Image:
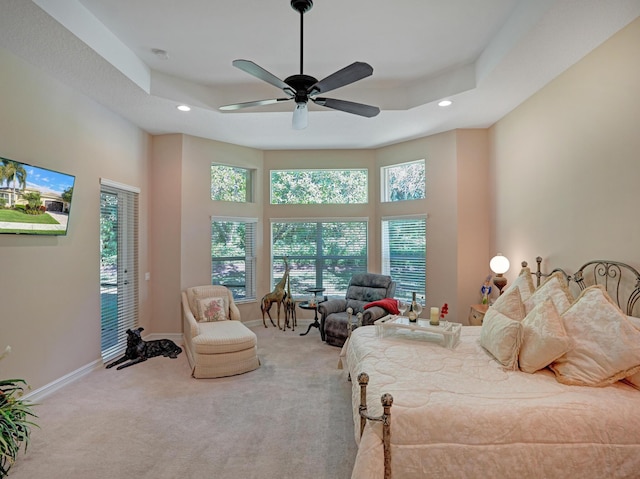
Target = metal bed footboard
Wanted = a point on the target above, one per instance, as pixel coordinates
(385, 419)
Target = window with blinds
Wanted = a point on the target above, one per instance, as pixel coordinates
(118, 265)
(233, 260)
(404, 254)
(321, 253)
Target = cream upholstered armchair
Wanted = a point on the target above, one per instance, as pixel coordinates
(216, 342)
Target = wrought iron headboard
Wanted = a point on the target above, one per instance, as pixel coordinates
(621, 281)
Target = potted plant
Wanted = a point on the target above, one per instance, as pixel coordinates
(15, 420)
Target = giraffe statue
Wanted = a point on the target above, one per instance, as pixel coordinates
(276, 296)
(289, 308)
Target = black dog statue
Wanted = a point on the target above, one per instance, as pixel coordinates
(139, 350)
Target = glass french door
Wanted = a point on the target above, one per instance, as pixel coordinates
(118, 266)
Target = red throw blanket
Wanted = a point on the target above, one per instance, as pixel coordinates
(390, 304)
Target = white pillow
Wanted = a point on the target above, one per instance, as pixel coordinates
(510, 304)
(501, 336)
(544, 338)
(605, 344)
(524, 282)
(634, 379)
(211, 309)
(556, 288)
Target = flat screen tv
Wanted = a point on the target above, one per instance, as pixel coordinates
(34, 200)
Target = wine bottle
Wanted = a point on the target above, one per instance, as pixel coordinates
(415, 309)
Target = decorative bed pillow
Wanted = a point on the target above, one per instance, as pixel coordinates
(544, 338)
(501, 336)
(524, 283)
(605, 344)
(510, 304)
(556, 288)
(634, 379)
(211, 309)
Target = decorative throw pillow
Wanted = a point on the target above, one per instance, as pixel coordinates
(556, 288)
(544, 338)
(524, 283)
(510, 304)
(501, 336)
(634, 379)
(605, 344)
(206, 291)
(211, 309)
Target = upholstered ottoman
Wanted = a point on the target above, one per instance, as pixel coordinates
(224, 348)
(217, 348)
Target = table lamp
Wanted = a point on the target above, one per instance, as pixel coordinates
(499, 265)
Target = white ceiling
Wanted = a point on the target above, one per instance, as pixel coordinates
(487, 56)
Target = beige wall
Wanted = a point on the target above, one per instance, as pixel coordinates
(457, 213)
(181, 211)
(451, 205)
(566, 164)
(49, 287)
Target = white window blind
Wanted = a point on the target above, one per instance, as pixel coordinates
(404, 254)
(118, 265)
(233, 260)
(322, 253)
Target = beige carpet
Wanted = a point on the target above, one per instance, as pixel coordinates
(291, 418)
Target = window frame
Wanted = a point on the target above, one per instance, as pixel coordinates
(249, 174)
(385, 187)
(277, 264)
(250, 259)
(311, 171)
(403, 291)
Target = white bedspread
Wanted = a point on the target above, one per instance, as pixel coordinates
(458, 414)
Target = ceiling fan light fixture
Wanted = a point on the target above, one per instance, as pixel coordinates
(302, 88)
(300, 116)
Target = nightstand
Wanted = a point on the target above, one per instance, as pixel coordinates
(476, 314)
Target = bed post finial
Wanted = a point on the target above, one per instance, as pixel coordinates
(363, 380)
(387, 401)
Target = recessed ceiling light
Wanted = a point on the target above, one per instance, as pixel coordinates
(160, 53)
(445, 103)
(183, 108)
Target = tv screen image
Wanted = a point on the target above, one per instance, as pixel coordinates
(34, 200)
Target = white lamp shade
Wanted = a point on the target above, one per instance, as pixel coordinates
(300, 116)
(499, 264)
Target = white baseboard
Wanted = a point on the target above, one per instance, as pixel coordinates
(59, 383)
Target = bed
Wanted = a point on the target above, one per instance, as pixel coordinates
(467, 412)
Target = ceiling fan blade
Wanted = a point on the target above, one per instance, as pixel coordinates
(348, 106)
(349, 74)
(249, 104)
(259, 72)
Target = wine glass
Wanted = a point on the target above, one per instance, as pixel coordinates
(417, 308)
(402, 307)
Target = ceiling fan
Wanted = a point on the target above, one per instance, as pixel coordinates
(302, 88)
